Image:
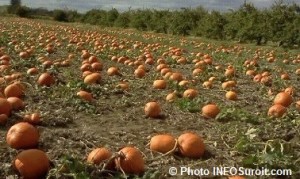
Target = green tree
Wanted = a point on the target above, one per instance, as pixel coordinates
(111, 17)
(60, 15)
(212, 25)
(14, 5)
(284, 21)
(22, 11)
(123, 20)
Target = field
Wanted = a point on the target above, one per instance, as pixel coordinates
(243, 134)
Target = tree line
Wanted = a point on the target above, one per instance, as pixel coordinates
(279, 24)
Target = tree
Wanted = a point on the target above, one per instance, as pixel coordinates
(14, 5)
(111, 17)
(60, 15)
(212, 25)
(22, 11)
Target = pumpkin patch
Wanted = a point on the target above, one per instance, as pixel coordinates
(150, 100)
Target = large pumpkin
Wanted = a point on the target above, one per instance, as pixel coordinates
(130, 161)
(32, 163)
(22, 136)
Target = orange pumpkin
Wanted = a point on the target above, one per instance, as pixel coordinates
(5, 107)
(159, 84)
(32, 163)
(85, 95)
(277, 111)
(92, 78)
(130, 161)
(283, 98)
(45, 79)
(190, 93)
(152, 109)
(16, 103)
(13, 90)
(162, 143)
(210, 111)
(22, 135)
(191, 145)
(3, 119)
(231, 95)
(99, 155)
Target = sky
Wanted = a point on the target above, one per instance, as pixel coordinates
(123, 5)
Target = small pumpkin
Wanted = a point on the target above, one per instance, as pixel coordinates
(190, 93)
(85, 95)
(231, 95)
(152, 109)
(159, 84)
(210, 111)
(92, 78)
(46, 79)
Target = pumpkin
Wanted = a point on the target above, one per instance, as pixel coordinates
(97, 66)
(190, 93)
(159, 84)
(191, 145)
(32, 71)
(124, 85)
(45, 79)
(171, 97)
(139, 73)
(92, 78)
(5, 107)
(13, 90)
(210, 111)
(34, 118)
(3, 119)
(231, 95)
(277, 111)
(113, 71)
(283, 98)
(22, 135)
(99, 155)
(176, 76)
(152, 109)
(32, 163)
(207, 84)
(130, 161)
(85, 95)
(162, 143)
(16, 103)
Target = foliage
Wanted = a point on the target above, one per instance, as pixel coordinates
(14, 5)
(60, 15)
(23, 11)
(279, 24)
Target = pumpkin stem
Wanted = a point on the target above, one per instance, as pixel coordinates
(113, 157)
